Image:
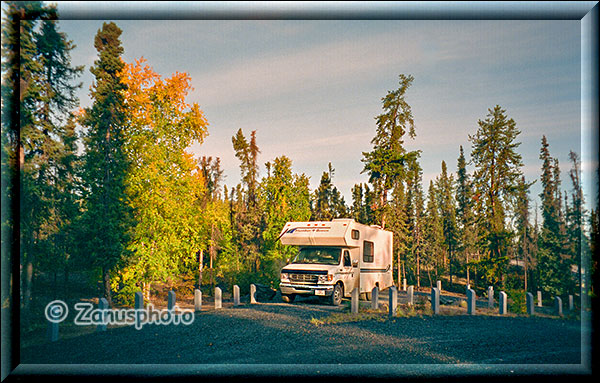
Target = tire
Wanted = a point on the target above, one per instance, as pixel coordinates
(336, 296)
(368, 296)
(288, 298)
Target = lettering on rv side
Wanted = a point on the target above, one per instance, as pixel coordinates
(308, 230)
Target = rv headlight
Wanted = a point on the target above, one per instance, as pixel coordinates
(285, 277)
(325, 278)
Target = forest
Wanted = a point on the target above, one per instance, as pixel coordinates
(113, 193)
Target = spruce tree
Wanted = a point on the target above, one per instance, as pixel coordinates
(445, 197)
(465, 214)
(107, 218)
(386, 164)
(498, 170)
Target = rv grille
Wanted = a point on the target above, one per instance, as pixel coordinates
(310, 278)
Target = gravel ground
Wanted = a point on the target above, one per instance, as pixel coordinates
(279, 333)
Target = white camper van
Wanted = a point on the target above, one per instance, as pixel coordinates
(336, 256)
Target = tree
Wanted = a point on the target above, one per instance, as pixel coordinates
(498, 170)
(386, 164)
(328, 202)
(524, 230)
(246, 210)
(465, 214)
(433, 235)
(415, 216)
(553, 266)
(577, 237)
(107, 218)
(446, 204)
(164, 186)
(285, 197)
(397, 224)
(37, 59)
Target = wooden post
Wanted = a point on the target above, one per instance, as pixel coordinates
(530, 305)
(218, 298)
(171, 299)
(435, 300)
(197, 300)
(253, 294)
(410, 295)
(502, 303)
(393, 301)
(236, 295)
(375, 298)
(103, 306)
(354, 303)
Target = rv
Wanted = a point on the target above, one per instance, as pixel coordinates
(335, 257)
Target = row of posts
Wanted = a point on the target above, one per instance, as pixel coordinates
(471, 300)
(53, 333)
(393, 302)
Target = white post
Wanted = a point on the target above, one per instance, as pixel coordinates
(53, 331)
(435, 300)
(197, 300)
(139, 300)
(218, 298)
(236, 295)
(103, 307)
(253, 294)
(558, 306)
(410, 295)
(490, 293)
(502, 303)
(539, 298)
(439, 286)
(530, 305)
(375, 298)
(171, 299)
(471, 301)
(570, 303)
(354, 302)
(404, 284)
(393, 301)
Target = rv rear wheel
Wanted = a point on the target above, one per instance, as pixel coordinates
(368, 296)
(336, 296)
(288, 298)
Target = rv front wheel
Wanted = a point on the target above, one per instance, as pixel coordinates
(336, 296)
(288, 298)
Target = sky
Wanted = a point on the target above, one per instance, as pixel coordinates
(312, 88)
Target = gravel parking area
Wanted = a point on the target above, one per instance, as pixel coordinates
(280, 333)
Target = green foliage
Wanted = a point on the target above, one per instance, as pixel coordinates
(387, 163)
(498, 170)
(328, 202)
(516, 301)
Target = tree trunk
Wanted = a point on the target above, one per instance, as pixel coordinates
(27, 285)
(106, 285)
(418, 271)
(468, 277)
(66, 280)
(146, 290)
(200, 266)
(399, 272)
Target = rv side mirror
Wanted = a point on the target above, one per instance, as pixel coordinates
(355, 263)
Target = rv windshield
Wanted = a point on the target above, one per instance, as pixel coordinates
(320, 255)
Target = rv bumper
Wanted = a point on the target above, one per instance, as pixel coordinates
(319, 290)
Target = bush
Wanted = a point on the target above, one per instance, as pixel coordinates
(516, 301)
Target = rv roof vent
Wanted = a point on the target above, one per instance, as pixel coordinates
(376, 226)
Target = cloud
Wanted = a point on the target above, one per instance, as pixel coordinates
(273, 74)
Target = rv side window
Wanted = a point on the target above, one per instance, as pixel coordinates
(355, 234)
(368, 251)
(347, 261)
